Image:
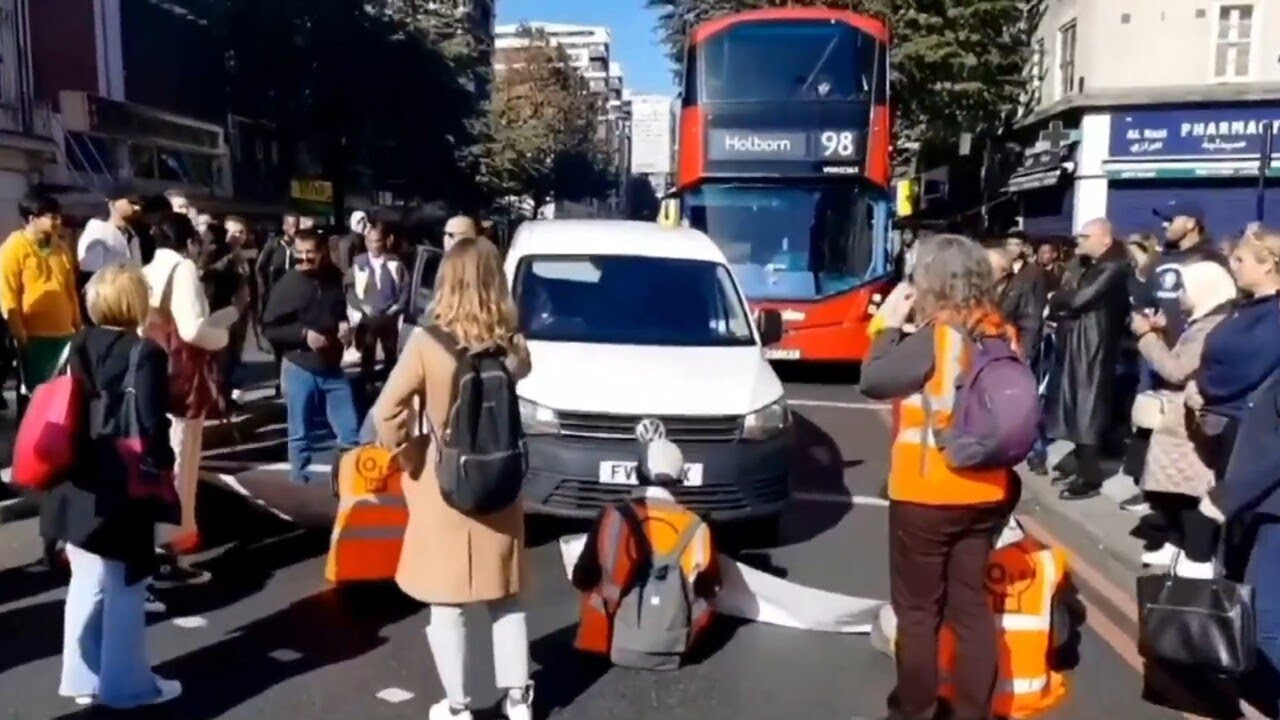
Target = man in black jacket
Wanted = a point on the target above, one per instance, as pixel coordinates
(1186, 241)
(306, 318)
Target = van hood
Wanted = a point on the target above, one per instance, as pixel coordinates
(649, 380)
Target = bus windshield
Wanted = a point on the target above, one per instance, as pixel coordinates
(786, 61)
(793, 241)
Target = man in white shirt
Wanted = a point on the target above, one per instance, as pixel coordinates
(114, 240)
(377, 294)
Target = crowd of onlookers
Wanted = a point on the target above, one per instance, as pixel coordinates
(1164, 355)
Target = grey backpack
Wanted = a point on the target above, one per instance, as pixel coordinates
(654, 623)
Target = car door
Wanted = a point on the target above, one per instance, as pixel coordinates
(422, 283)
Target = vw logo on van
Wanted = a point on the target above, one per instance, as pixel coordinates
(650, 429)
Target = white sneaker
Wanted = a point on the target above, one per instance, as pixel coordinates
(1162, 557)
(169, 690)
(153, 604)
(1188, 568)
(442, 711)
(518, 704)
(84, 700)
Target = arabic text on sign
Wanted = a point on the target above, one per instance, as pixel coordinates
(312, 190)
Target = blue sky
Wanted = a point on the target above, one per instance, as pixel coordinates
(635, 44)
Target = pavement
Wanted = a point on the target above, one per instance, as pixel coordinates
(267, 637)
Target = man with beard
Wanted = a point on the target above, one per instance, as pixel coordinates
(306, 318)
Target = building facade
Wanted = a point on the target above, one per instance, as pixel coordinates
(27, 143)
(652, 139)
(1137, 102)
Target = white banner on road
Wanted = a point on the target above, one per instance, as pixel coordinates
(760, 597)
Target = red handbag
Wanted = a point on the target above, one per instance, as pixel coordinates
(45, 446)
(144, 483)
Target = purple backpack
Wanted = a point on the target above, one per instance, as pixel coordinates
(996, 417)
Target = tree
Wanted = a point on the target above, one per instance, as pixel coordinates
(958, 65)
(545, 127)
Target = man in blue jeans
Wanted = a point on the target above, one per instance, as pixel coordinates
(306, 317)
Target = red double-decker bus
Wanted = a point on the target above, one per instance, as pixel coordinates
(783, 160)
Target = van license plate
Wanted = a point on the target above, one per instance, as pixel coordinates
(621, 472)
(781, 354)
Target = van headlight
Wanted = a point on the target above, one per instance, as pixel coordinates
(767, 422)
(538, 419)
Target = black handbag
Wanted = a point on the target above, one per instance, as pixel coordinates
(1203, 624)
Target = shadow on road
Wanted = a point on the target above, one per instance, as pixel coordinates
(19, 583)
(563, 673)
(32, 632)
(318, 631)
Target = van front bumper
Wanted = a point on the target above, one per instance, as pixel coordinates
(741, 480)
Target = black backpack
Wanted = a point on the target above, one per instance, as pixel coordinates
(480, 451)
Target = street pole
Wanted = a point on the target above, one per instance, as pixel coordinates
(1264, 165)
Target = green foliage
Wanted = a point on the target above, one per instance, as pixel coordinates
(544, 123)
(958, 65)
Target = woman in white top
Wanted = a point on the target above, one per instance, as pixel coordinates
(195, 325)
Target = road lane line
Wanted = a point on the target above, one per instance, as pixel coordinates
(838, 404)
(1123, 601)
(839, 499)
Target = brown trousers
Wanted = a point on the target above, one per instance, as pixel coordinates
(937, 573)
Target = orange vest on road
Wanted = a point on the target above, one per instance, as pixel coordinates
(918, 470)
(1022, 580)
(372, 515)
(620, 548)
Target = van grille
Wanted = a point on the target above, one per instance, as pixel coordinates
(714, 428)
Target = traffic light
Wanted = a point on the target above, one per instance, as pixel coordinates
(907, 197)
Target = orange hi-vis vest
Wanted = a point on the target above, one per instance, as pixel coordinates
(1022, 580)
(918, 470)
(372, 515)
(625, 537)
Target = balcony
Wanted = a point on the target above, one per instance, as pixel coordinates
(35, 121)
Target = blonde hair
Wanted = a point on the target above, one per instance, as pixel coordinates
(472, 301)
(1264, 244)
(117, 296)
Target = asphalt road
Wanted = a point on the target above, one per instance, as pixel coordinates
(268, 638)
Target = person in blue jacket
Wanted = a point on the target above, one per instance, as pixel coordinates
(1239, 393)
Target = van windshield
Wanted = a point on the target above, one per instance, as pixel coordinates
(630, 300)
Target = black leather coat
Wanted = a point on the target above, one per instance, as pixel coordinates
(1091, 310)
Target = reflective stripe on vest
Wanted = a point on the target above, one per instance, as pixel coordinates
(1026, 685)
(918, 470)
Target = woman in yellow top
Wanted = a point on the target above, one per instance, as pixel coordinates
(38, 290)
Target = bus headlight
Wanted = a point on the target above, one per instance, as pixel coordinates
(538, 419)
(767, 422)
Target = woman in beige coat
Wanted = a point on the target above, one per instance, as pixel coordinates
(1177, 473)
(449, 559)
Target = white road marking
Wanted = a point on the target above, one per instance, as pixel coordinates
(190, 623)
(836, 404)
(394, 695)
(284, 655)
(231, 482)
(839, 499)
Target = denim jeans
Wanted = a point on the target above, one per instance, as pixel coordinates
(308, 397)
(104, 650)
(1263, 574)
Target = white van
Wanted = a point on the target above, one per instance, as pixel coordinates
(632, 321)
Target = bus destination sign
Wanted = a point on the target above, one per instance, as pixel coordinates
(766, 145)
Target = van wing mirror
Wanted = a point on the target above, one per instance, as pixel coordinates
(769, 322)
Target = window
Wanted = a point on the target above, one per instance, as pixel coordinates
(1233, 43)
(1067, 59)
(1036, 81)
(630, 300)
(789, 242)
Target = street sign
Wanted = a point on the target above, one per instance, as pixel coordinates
(319, 191)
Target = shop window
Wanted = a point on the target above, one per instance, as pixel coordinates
(1067, 59)
(1233, 42)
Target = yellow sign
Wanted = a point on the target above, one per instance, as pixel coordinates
(669, 212)
(906, 199)
(320, 191)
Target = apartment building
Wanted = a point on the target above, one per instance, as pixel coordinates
(1137, 102)
(27, 143)
(652, 139)
(589, 51)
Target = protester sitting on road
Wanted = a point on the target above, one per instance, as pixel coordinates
(109, 534)
(1090, 310)
(306, 317)
(451, 560)
(941, 520)
(176, 291)
(378, 293)
(38, 290)
(1175, 475)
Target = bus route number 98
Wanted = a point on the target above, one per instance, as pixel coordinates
(837, 143)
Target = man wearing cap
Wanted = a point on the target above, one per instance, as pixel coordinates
(1186, 241)
(114, 240)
